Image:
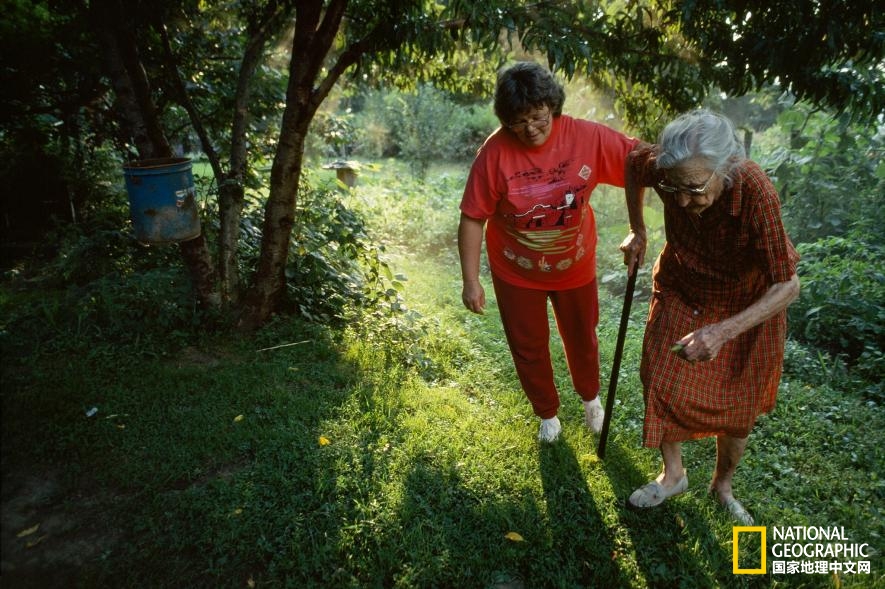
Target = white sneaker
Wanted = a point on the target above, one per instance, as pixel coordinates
(550, 429)
(594, 415)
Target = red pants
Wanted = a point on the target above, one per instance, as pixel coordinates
(527, 326)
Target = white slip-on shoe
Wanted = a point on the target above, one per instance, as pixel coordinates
(654, 493)
(550, 429)
(594, 415)
(738, 512)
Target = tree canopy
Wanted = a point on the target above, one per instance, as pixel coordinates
(247, 78)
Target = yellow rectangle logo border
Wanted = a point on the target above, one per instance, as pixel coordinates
(736, 530)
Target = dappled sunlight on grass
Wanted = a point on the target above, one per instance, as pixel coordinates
(400, 451)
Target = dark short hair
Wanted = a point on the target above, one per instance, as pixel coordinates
(524, 86)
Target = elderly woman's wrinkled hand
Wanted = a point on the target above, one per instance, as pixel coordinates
(701, 345)
(633, 247)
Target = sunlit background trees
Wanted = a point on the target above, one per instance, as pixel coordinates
(262, 94)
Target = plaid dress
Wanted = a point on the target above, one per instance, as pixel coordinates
(712, 267)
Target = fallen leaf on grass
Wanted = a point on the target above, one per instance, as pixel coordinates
(250, 582)
(239, 418)
(514, 537)
(28, 531)
(33, 543)
(324, 441)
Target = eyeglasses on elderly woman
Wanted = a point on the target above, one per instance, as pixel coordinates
(692, 190)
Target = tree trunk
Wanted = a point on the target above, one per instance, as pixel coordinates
(230, 208)
(139, 117)
(279, 218)
(231, 192)
(315, 28)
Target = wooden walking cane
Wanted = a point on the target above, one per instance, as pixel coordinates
(616, 363)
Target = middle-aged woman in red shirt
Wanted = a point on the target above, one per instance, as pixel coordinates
(529, 189)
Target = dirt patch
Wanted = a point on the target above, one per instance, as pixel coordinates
(47, 536)
(191, 356)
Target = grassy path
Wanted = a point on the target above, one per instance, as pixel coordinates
(398, 452)
(575, 527)
(565, 504)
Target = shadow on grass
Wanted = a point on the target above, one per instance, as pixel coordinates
(198, 470)
(579, 535)
(674, 543)
(445, 534)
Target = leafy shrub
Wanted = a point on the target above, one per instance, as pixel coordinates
(89, 255)
(475, 123)
(842, 305)
(101, 288)
(337, 133)
(424, 130)
(422, 215)
(421, 127)
(333, 264)
(830, 174)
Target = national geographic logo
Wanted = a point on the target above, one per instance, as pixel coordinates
(800, 550)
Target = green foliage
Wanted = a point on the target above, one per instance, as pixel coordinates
(476, 123)
(421, 124)
(209, 40)
(745, 45)
(334, 265)
(829, 172)
(841, 309)
(408, 212)
(421, 127)
(337, 132)
(100, 288)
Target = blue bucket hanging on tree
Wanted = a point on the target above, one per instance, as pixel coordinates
(162, 200)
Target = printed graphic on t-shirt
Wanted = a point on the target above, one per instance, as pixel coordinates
(549, 211)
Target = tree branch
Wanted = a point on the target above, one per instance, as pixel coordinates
(185, 101)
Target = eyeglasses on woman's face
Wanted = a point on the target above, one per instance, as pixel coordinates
(536, 122)
(690, 190)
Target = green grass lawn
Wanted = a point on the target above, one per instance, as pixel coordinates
(303, 456)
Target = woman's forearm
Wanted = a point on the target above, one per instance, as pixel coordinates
(634, 194)
(777, 298)
(705, 343)
(470, 232)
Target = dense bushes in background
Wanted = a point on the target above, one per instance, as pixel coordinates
(842, 306)
(830, 174)
(103, 288)
(421, 127)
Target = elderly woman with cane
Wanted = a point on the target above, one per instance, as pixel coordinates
(714, 339)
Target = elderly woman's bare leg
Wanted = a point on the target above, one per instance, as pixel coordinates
(729, 451)
(672, 481)
(671, 452)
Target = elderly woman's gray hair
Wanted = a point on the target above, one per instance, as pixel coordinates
(701, 133)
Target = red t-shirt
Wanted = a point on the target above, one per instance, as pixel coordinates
(541, 231)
